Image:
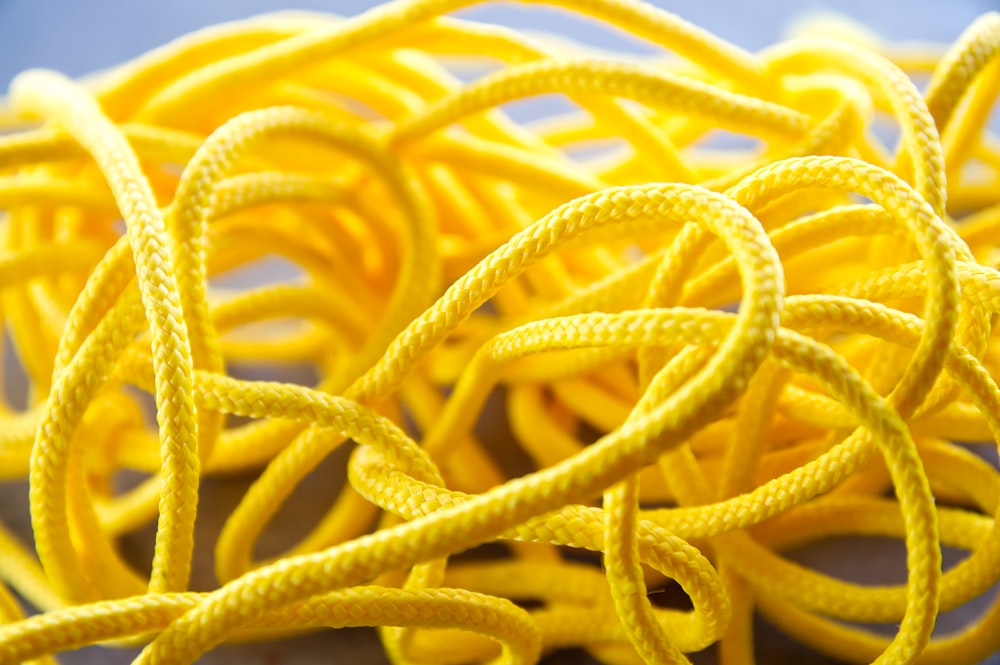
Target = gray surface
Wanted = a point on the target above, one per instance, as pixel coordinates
(79, 37)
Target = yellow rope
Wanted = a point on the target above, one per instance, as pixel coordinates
(709, 355)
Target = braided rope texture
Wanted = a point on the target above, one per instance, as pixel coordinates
(707, 351)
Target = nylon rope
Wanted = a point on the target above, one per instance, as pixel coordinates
(717, 310)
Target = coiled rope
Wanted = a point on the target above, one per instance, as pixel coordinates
(707, 356)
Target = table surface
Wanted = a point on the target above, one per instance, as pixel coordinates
(81, 37)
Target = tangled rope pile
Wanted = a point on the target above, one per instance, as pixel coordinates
(709, 355)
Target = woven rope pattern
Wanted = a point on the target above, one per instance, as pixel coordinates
(708, 355)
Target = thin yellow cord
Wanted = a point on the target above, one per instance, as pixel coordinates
(708, 355)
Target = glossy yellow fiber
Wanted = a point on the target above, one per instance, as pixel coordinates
(709, 351)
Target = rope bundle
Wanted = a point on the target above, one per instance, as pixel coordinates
(707, 355)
